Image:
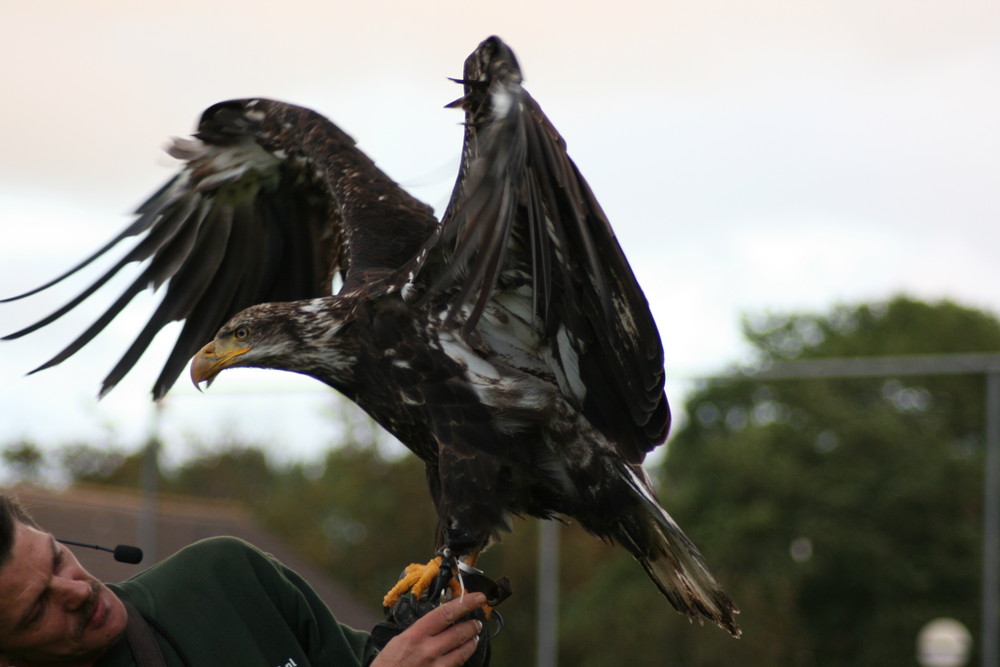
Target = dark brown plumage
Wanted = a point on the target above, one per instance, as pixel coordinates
(509, 347)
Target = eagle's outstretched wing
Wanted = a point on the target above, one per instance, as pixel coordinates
(523, 218)
(272, 201)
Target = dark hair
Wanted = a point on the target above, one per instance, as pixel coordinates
(12, 512)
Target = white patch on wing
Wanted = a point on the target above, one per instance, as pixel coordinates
(512, 393)
(503, 100)
(516, 397)
(570, 363)
(459, 352)
(518, 303)
(565, 364)
(509, 326)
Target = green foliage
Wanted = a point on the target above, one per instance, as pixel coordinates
(25, 461)
(849, 511)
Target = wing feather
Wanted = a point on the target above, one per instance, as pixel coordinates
(522, 215)
(271, 202)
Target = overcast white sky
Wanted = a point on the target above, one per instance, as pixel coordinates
(757, 155)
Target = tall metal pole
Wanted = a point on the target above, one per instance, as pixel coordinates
(150, 481)
(991, 525)
(548, 593)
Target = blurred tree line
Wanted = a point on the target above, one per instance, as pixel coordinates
(841, 515)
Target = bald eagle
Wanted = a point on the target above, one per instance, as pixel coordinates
(508, 346)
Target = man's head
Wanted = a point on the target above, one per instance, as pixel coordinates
(52, 610)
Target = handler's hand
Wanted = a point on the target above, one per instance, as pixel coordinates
(432, 641)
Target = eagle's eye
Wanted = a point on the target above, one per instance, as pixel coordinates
(241, 332)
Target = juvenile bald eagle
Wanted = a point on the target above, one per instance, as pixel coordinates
(509, 347)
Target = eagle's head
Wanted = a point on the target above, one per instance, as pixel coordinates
(297, 336)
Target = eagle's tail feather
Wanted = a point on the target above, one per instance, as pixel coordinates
(674, 563)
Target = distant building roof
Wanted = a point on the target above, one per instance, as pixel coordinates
(108, 517)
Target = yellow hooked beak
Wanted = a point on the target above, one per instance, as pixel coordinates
(214, 358)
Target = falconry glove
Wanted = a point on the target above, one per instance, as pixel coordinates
(405, 612)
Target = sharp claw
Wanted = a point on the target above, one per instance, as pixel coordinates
(446, 574)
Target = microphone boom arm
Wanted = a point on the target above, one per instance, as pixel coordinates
(123, 553)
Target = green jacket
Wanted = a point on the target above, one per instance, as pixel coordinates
(224, 603)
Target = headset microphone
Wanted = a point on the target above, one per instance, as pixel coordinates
(123, 552)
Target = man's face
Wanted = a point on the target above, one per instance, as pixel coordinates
(52, 611)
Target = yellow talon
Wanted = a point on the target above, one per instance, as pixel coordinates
(410, 576)
(428, 574)
(416, 579)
